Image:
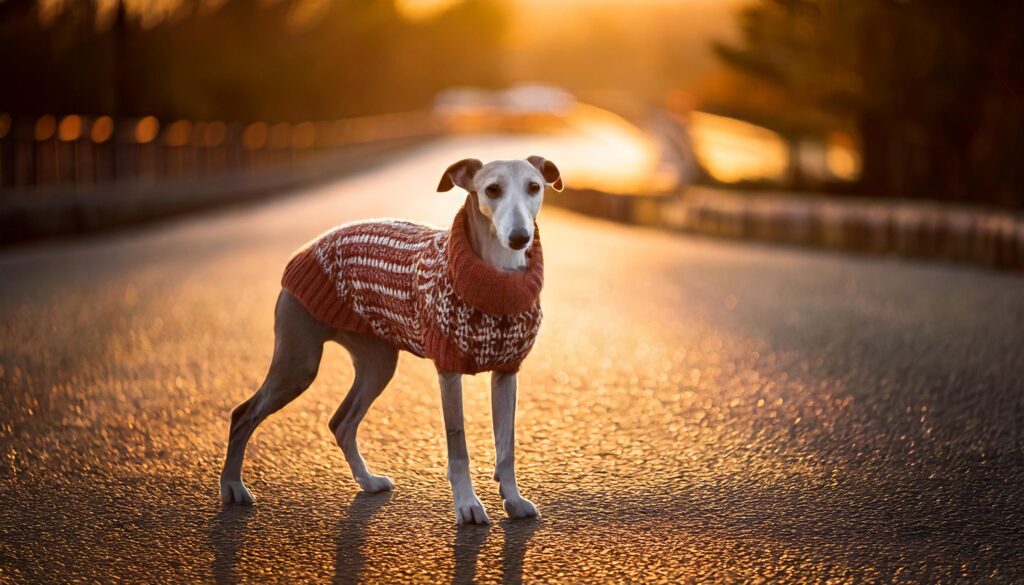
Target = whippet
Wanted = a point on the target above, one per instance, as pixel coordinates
(380, 286)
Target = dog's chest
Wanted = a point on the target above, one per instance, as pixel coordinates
(488, 340)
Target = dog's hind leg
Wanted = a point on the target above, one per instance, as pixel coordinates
(374, 361)
(298, 345)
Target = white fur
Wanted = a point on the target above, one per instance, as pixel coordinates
(515, 208)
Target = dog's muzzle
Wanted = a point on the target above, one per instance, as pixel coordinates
(518, 239)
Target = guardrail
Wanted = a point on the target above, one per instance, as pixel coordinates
(912, 229)
(83, 151)
(908, 229)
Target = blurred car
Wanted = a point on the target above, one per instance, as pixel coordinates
(520, 108)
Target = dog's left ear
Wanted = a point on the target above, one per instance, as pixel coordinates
(548, 170)
(461, 174)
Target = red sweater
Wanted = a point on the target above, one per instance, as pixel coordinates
(423, 290)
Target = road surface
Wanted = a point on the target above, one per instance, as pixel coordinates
(694, 410)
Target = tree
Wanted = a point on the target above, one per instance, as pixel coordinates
(242, 61)
(935, 89)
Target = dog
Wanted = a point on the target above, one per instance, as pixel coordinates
(467, 298)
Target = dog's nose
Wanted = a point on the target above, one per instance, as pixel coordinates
(518, 239)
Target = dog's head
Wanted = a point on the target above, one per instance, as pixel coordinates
(507, 192)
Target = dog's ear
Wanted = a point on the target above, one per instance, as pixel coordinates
(461, 174)
(548, 170)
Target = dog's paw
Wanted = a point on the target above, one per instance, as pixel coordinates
(520, 508)
(373, 484)
(235, 492)
(470, 511)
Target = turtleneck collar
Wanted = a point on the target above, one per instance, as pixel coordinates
(493, 291)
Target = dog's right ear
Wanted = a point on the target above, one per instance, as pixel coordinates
(548, 170)
(461, 174)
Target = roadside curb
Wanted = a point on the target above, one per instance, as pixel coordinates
(922, 230)
(47, 214)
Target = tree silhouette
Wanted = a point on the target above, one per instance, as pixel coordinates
(935, 89)
(244, 61)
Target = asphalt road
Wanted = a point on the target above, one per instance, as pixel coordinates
(694, 410)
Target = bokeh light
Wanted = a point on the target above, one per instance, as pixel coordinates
(178, 133)
(146, 129)
(842, 157)
(102, 129)
(70, 128)
(45, 127)
(254, 137)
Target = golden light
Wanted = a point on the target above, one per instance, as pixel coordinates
(146, 130)
(254, 137)
(620, 157)
(841, 156)
(5, 124)
(178, 133)
(214, 134)
(732, 150)
(595, 148)
(420, 9)
(45, 127)
(70, 128)
(102, 129)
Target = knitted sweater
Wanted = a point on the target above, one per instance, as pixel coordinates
(423, 290)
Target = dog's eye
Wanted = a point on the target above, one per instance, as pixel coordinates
(534, 187)
(493, 190)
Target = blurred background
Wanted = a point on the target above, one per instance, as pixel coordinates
(696, 409)
(885, 98)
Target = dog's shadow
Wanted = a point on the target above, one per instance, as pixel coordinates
(231, 530)
(350, 558)
(228, 534)
(227, 537)
(469, 539)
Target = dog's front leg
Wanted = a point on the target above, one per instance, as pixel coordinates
(503, 414)
(468, 509)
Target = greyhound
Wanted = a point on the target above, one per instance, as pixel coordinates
(501, 230)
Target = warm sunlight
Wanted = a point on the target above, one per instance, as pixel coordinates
(511, 291)
(423, 8)
(732, 150)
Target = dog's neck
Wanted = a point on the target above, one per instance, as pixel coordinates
(485, 241)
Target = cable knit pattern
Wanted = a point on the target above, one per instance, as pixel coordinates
(423, 290)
